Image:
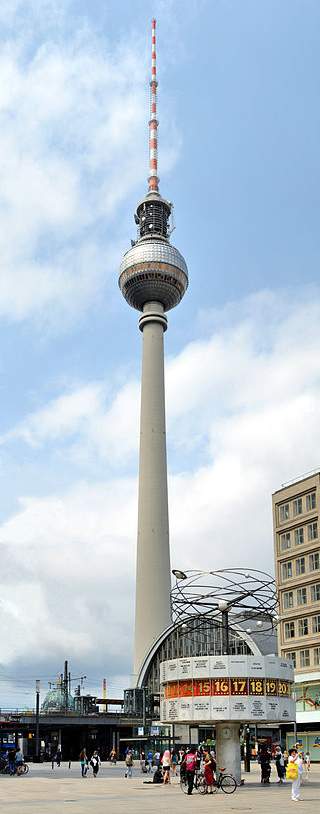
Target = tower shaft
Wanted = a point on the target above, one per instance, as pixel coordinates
(152, 614)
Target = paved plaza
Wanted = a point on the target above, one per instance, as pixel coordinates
(44, 791)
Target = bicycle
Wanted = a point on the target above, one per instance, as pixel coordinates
(226, 782)
(199, 783)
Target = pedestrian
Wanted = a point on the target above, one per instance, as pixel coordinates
(58, 756)
(95, 762)
(149, 760)
(174, 763)
(265, 757)
(279, 761)
(129, 764)
(18, 760)
(294, 772)
(113, 757)
(208, 771)
(143, 761)
(166, 766)
(156, 758)
(190, 761)
(11, 760)
(83, 762)
(307, 764)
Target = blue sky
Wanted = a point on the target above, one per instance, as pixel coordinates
(239, 156)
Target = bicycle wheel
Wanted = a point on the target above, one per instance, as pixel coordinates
(228, 784)
(184, 784)
(202, 784)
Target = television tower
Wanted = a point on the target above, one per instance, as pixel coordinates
(153, 279)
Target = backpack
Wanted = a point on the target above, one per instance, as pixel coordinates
(292, 771)
(190, 762)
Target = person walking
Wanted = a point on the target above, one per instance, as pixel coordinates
(149, 760)
(58, 756)
(95, 762)
(208, 771)
(190, 761)
(264, 758)
(166, 766)
(307, 764)
(174, 762)
(279, 761)
(294, 773)
(83, 762)
(129, 764)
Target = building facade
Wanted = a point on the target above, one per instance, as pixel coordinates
(297, 568)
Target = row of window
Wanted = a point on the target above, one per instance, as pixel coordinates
(305, 657)
(300, 565)
(306, 626)
(299, 505)
(302, 596)
(299, 536)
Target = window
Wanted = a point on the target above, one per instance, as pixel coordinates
(289, 630)
(300, 566)
(284, 512)
(286, 570)
(312, 531)
(291, 655)
(316, 656)
(314, 561)
(316, 624)
(285, 541)
(304, 658)
(311, 501)
(303, 627)
(302, 596)
(298, 536)
(315, 592)
(288, 600)
(297, 506)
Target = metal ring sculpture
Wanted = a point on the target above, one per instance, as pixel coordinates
(200, 598)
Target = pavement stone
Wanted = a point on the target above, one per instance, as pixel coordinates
(62, 791)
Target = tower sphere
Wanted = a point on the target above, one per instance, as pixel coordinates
(153, 269)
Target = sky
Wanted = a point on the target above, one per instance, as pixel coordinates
(239, 156)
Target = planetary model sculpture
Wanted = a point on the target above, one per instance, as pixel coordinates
(227, 685)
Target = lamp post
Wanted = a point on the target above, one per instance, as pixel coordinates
(224, 608)
(37, 754)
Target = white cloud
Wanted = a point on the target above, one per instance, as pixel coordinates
(243, 407)
(73, 117)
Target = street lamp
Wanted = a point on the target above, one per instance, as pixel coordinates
(37, 755)
(179, 574)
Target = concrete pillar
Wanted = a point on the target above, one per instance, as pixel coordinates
(153, 575)
(228, 748)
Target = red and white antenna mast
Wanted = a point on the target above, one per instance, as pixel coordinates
(153, 180)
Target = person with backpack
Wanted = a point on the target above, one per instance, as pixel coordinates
(190, 761)
(294, 773)
(95, 762)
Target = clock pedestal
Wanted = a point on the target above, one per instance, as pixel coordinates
(228, 748)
